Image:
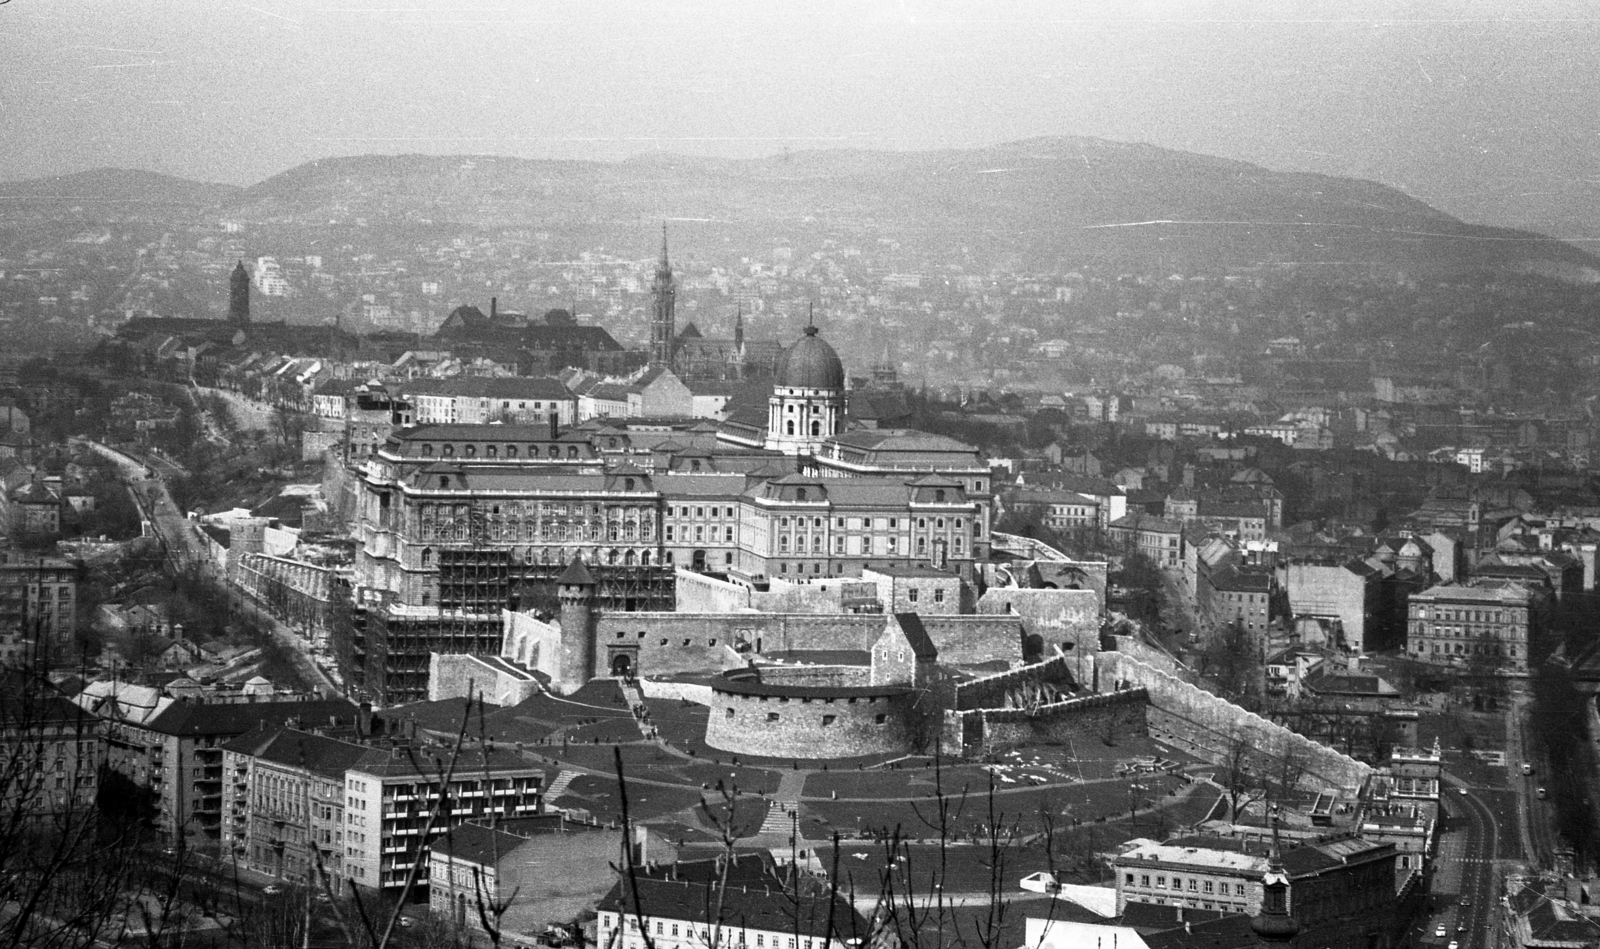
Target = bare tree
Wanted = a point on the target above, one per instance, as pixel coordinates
(1243, 784)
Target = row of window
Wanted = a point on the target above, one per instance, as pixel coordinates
(1196, 885)
(493, 451)
(1476, 650)
(1464, 616)
(730, 935)
(827, 720)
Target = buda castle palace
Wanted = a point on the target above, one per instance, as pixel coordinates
(459, 522)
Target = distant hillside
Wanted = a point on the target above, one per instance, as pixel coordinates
(116, 185)
(1032, 203)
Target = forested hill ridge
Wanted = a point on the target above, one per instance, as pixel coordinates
(1033, 205)
(114, 186)
(1038, 205)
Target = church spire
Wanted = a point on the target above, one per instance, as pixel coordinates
(663, 331)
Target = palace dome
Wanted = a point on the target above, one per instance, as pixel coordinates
(810, 364)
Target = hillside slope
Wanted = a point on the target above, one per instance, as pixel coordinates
(1031, 203)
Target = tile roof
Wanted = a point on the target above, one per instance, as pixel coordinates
(198, 718)
(278, 744)
(772, 907)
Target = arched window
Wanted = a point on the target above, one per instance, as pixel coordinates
(555, 451)
(511, 451)
(816, 428)
(444, 482)
(788, 427)
(694, 465)
(572, 451)
(427, 556)
(627, 484)
(472, 451)
(427, 451)
(493, 451)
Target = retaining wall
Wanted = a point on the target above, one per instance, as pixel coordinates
(1058, 617)
(689, 691)
(1079, 721)
(1199, 722)
(991, 691)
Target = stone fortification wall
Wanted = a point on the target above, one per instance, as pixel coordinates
(684, 691)
(820, 676)
(1197, 721)
(1058, 617)
(698, 593)
(459, 677)
(532, 642)
(792, 727)
(665, 644)
(823, 596)
(991, 691)
(1136, 648)
(1077, 721)
(977, 640)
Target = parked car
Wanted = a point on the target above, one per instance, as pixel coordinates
(1440, 932)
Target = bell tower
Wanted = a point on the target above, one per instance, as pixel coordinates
(663, 329)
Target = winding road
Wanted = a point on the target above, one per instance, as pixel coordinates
(185, 550)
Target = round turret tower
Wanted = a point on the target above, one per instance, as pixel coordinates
(575, 591)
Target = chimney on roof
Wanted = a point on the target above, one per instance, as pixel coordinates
(494, 308)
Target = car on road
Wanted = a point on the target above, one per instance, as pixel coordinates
(1541, 794)
(1461, 791)
(1454, 944)
(272, 889)
(1440, 932)
(1464, 901)
(1527, 768)
(1461, 928)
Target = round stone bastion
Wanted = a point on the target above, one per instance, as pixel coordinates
(807, 712)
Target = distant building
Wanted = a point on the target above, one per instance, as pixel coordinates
(286, 801)
(239, 294)
(1484, 625)
(681, 907)
(38, 597)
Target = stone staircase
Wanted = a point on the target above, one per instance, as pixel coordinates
(632, 694)
(558, 787)
(777, 823)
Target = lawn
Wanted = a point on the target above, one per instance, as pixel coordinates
(599, 796)
(1025, 810)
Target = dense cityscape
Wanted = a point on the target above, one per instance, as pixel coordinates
(1057, 543)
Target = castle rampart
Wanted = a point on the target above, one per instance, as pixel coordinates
(1193, 719)
(788, 719)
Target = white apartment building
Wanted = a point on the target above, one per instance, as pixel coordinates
(390, 793)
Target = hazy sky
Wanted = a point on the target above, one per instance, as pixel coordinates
(1488, 110)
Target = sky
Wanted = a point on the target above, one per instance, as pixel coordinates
(1485, 109)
